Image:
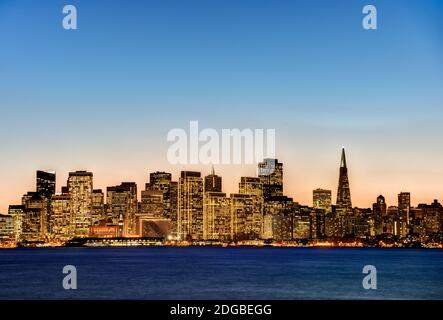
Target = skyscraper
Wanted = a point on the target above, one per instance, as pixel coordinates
(322, 199)
(379, 211)
(161, 181)
(16, 212)
(80, 191)
(190, 206)
(270, 172)
(45, 186)
(34, 224)
(151, 204)
(173, 212)
(60, 223)
(254, 213)
(404, 206)
(122, 206)
(343, 193)
(216, 216)
(250, 185)
(98, 206)
(279, 211)
(46, 183)
(213, 182)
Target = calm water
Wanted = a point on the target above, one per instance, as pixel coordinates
(221, 273)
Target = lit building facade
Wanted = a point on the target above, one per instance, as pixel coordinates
(61, 219)
(322, 199)
(122, 207)
(80, 186)
(16, 212)
(270, 172)
(216, 216)
(98, 206)
(190, 206)
(213, 182)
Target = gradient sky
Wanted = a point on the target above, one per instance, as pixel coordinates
(103, 97)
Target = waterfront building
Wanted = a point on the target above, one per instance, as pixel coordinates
(6, 228)
(80, 186)
(122, 206)
(302, 223)
(16, 212)
(431, 220)
(104, 232)
(216, 216)
(379, 210)
(270, 172)
(318, 223)
(34, 222)
(344, 192)
(155, 228)
(98, 206)
(162, 181)
(151, 204)
(190, 206)
(404, 207)
(61, 219)
(280, 211)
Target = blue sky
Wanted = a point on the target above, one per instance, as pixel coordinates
(103, 97)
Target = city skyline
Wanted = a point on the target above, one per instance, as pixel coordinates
(194, 209)
(104, 97)
(46, 183)
(229, 187)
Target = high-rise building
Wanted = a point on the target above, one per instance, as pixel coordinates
(161, 181)
(246, 217)
(6, 228)
(322, 199)
(80, 186)
(34, 223)
(318, 223)
(60, 223)
(98, 206)
(379, 211)
(270, 172)
(122, 207)
(302, 223)
(45, 186)
(431, 218)
(404, 207)
(216, 216)
(46, 183)
(391, 223)
(343, 208)
(254, 223)
(173, 212)
(16, 212)
(343, 193)
(251, 185)
(190, 206)
(213, 182)
(280, 212)
(151, 204)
